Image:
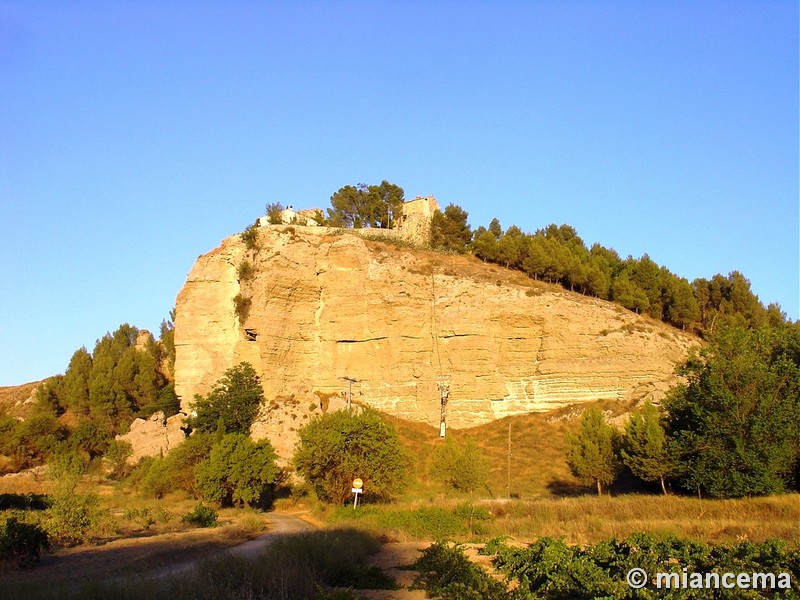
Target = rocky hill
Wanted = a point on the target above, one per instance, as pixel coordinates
(320, 305)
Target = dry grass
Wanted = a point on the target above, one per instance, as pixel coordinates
(538, 466)
(548, 501)
(12, 397)
(589, 519)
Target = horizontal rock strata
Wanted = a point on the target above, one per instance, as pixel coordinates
(327, 306)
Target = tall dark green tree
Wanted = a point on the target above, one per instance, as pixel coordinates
(385, 204)
(484, 246)
(76, 382)
(644, 447)
(735, 424)
(233, 401)
(593, 454)
(366, 205)
(450, 230)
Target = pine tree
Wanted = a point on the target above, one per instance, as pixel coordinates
(234, 400)
(644, 449)
(592, 454)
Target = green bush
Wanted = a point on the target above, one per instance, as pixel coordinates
(22, 542)
(156, 482)
(201, 516)
(118, 453)
(446, 572)
(245, 271)
(241, 304)
(550, 568)
(75, 518)
(233, 402)
(474, 516)
(238, 471)
(337, 447)
(250, 236)
(423, 523)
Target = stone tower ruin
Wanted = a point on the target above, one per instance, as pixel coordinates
(414, 224)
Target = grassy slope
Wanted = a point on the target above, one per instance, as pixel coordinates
(12, 396)
(538, 467)
(549, 501)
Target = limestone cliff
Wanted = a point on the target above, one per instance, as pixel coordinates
(327, 305)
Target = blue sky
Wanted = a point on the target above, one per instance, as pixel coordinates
(135, 136)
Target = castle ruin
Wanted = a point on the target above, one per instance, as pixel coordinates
(413, 224)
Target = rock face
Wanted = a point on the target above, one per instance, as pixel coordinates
(154, 436)
(326, 305)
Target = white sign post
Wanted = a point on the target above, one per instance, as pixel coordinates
(357, 489)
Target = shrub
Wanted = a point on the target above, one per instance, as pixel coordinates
(336, 447)
(238, 470)
(250, 237)
(118, 453)
(424, 523)
(274, 212)
(201, 516)
(234, 401)
(74, 518)
(462, 468)
(22, 542)
(446, 572)
(241, 305)
(245, 271)
(182, 461)
(156, 483)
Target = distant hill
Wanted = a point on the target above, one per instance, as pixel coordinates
(13, 398)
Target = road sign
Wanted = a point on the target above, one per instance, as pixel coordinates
(357, 483)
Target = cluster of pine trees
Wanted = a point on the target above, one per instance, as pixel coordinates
(731, 430)
(126, 376)
(557, 254)
(118, 381)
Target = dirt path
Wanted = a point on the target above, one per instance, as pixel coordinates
(159, 555)
(176, 554)
(280, 524)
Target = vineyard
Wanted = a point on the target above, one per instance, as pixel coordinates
(669, 568)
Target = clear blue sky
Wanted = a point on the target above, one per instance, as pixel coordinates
(134, 136)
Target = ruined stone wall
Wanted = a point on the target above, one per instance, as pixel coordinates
(415, 222)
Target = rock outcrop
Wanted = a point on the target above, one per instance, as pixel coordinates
(154, 436)
(327, 306)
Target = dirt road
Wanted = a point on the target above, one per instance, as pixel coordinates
(280, 524)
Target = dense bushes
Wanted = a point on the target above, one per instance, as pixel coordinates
(337, 447)
(735, 424)
(21, 542)
(76, 518)
(201, 516)
(238, 471)
(424, 523)
(551, 569)
(446, 572)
